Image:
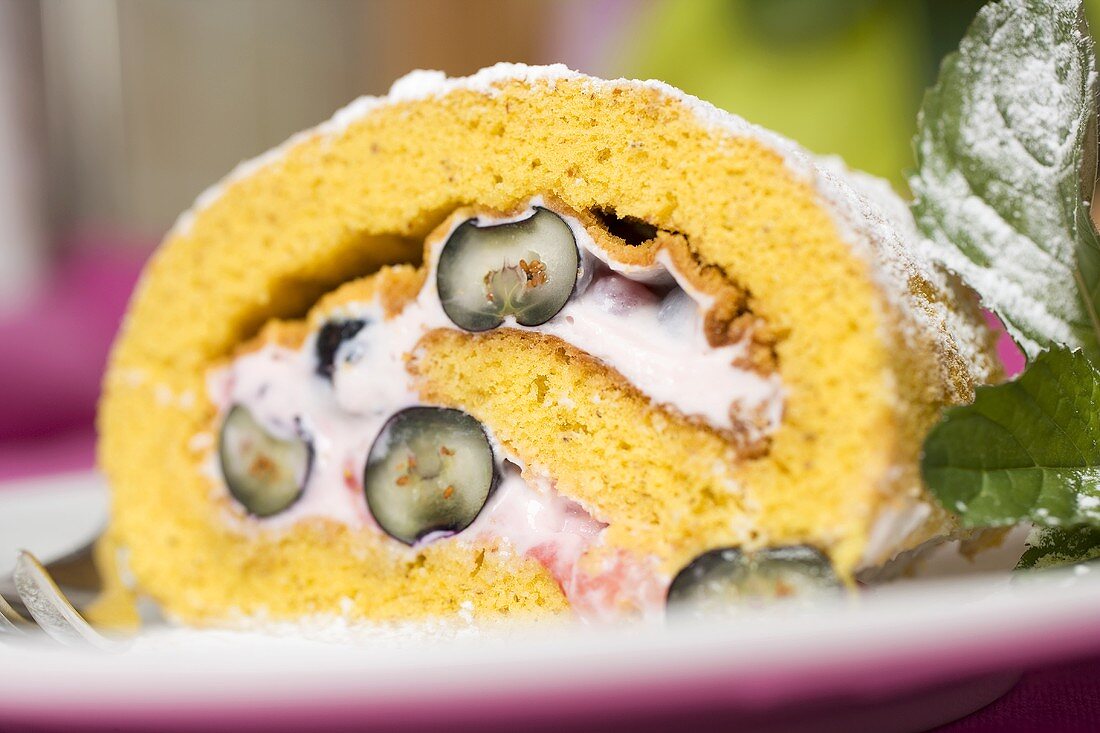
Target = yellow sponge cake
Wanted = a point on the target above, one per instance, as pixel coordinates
(527, 343)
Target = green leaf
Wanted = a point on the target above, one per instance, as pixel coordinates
(1052, 546)
(1006, 158)
(1025, 450)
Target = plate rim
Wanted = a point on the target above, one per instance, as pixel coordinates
(1003, 629)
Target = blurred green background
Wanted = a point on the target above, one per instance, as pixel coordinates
(838, 76)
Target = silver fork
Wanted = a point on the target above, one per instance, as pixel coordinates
(33, 603)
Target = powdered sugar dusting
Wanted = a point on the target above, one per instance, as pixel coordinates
(875, 218)
(422, 84)
(330, 628)
(873, 214)
(999, 148)
(1086, 490)
(880, 231)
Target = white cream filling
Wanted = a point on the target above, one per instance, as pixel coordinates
(656, 341)
(893, 525)
(876, 238)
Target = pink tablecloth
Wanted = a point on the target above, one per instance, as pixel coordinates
(53, 356)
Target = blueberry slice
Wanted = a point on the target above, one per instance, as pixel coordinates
(263, 472)
(431, 469)
(718, 582)
(525, 269)
(678, 312)
(329, 339)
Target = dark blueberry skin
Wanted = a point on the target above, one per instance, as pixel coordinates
(526, 269)
(329, 338)
(430, 470)
(717, 582)
(265, 473)
(728, 563)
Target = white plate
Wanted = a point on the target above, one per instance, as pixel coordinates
(909, 656)
(50, 516)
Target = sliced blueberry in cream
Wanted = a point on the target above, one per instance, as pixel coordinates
(793, 570)
(431, 469)
(329, 340)
(619, 295)
(526, 269)
(716, 583)
(679, 313)
(264, 472)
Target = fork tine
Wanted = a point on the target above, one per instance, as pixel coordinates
(48, 606)
(10, 619)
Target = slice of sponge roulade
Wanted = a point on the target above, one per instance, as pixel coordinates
(527, 342)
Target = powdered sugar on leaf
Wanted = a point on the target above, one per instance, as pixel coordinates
(1000, 147)
(1054, 546)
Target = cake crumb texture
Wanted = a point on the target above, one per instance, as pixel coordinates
(867, 344)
